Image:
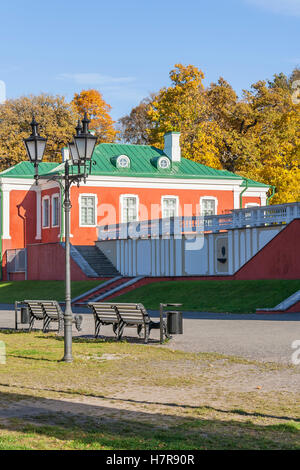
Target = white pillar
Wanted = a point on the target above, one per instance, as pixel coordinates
(230, 252)
(248, 244)
(236, 245)
(6, 214)
(263, 199)
(211, 254)
(236, 198)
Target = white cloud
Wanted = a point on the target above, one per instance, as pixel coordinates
(285, 7)
(94, 79)
(2, 92)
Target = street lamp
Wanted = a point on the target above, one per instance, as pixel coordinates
(81, 151)
(35, 147)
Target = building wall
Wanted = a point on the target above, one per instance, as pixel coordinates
(280, 258)
(22, 200)
(47, 262)
(50, 234)
(22, 227)
(147, 198)
(212, 254)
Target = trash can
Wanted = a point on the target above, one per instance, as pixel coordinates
(24, 315)
(174, 323)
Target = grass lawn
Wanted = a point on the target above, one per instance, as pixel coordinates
(52, 290)
(135, 396)
(214, 296)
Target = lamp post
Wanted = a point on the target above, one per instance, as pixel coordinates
(81, 151)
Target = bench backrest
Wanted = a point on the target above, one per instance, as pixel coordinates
(52, 308)
(133, 313)
(35, 308)
(105, 312)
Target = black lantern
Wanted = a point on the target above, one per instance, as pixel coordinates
(85, 142)
(74, 153)
(72, 146)
(35, 144)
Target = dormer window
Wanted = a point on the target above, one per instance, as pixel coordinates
(123, 161)
(164, 163)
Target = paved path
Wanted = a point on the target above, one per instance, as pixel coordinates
(262, 337)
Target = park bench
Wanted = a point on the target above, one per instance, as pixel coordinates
(123, 315)
(105, 314)
(48, 311)
(132, 315)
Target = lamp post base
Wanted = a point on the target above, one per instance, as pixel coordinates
(68, 337)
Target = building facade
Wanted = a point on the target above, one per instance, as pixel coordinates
(126, 183)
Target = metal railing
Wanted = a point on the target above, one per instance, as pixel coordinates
(16, 261)
(179, 226)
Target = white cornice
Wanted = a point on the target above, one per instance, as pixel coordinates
(128, 181)
(135, 182)
(26, 184)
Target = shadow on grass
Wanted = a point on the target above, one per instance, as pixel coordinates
(33, 358)
(86, 426)
(149, 402)
(106, 339)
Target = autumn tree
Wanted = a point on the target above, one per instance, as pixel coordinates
(53, 113)
(183, 107)
(276, 137)
(135, 127)
(92, 103)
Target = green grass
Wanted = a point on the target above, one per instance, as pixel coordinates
(131, 435)
(214, 296)
(149, 398)
(10, 291)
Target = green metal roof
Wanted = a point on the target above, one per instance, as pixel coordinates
(142, 158)
(26, 170)
(252, 183)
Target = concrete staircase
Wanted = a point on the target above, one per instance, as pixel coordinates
(97, 261)
(289, 305)
(107, 289)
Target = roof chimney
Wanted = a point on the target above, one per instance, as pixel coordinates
(65, 154)
(172, 146)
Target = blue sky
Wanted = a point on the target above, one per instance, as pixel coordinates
(125, 49)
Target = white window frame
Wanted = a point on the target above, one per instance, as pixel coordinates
(166, 159)
(126, 158)
(56, 195)
(124, 196)
(80, 207)
(212, 198)
(46, 198)
(169, 197)
(252, 204)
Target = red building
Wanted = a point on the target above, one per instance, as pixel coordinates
(127, 182)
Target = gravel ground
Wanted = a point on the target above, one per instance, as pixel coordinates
(260, 337)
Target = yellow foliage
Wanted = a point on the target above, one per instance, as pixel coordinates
(56, 119)
(257, 136)
(91, 102)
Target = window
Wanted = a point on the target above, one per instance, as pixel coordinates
(164, 163)
(169, 206)
(87, 210)
(55, 210)
(123, 161)
(129, 208)
(46, 204)
(208, 206)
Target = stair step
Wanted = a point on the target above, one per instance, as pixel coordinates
(97, 260)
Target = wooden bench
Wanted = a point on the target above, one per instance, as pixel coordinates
(36, 312)
(48, 311)
(105, 314)
(136, 315)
